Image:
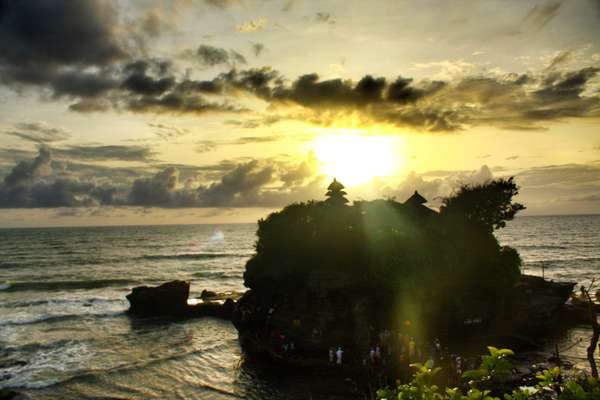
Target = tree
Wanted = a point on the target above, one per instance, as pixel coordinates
(488, 205)
(336, 194)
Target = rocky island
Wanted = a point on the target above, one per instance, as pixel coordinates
(328, 275)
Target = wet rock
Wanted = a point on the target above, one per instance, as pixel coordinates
(207, 294)
(578, 313)
(168, 299)
(171, 300)
(535, 305)
(212, 309)
(8, 394)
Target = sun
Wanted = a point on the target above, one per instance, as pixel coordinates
(355, 159)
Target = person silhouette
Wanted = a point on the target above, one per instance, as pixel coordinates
(339, 354)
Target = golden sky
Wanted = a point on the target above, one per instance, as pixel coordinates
(194, 111)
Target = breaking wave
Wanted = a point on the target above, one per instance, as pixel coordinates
(49, 286)
(194, 256)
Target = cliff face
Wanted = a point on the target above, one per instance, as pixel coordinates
(303, 324)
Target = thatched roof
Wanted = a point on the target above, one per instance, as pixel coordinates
(416, 199)
(335, 186)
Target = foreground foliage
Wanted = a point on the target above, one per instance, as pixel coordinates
(488, 382)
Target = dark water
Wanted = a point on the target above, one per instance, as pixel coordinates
(62, 303)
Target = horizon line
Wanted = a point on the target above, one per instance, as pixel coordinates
(232, 223)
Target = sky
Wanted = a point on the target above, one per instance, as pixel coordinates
(221, 111)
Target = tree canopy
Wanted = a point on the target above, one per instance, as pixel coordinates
(487, 205)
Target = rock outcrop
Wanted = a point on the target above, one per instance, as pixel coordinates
(535, 304)
(7, 394)
(167, 299)
(313, 319)
(171, 300)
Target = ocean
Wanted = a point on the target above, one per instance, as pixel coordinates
(64, 332)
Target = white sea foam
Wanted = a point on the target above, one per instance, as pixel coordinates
(48, 367)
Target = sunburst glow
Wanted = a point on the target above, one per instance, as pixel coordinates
(355, 159)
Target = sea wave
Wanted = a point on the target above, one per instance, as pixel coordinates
(193, 256)
(218, 275)
(54, 318)
(47, 286)
(64, 352)
(40, 302)
(67, 356)
(32, 348)
(542, 247)
(550, 262)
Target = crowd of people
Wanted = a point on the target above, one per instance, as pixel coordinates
(398, 350)
(385, 350)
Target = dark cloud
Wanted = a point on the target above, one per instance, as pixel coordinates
(510, 101)
(178, 103)
(82, 84)
(507, 101)
(24, 172)
(38, 132)
(149, 86)
(251, 183)
(38, 33)
(156, 190)
(24, 187)
(211, 56)
(44, 182)
(55, 43)
(140, 82)
(105, 153)
(566, 86)
(238, 187)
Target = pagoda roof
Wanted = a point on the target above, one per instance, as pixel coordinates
(335, 186)
(416, 198)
